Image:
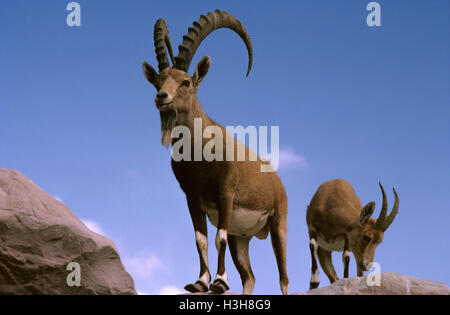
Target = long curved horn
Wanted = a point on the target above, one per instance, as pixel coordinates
(384, 222)
(394, 212)
(201, 29)
(162, 40)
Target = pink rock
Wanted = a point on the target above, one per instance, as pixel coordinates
(40, 236)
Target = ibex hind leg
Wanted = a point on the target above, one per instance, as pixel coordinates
(239, 252)
(313, 247)
(277, 224)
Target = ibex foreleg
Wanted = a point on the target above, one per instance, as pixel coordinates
(346, 256)
(326, 263)
(239, 252)
(220, 283)
(201, 240)
(359, 271)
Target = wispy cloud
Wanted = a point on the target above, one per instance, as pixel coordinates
(290, 159)
(169, 290)
(286, 158)
(93, 226)
(143, 266)
(58, 198)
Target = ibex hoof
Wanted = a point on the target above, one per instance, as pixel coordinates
(313, 285)
(219, 286)
(196, 287)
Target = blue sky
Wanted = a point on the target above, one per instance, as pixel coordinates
(352, 101)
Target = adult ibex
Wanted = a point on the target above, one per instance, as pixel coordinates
(338, 222)
(239, 199)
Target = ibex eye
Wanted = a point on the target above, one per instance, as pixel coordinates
(367, 238)
(186, 83)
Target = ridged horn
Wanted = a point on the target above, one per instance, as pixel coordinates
(161, 41)
(384, 222)
(382, 217)
(201, 29)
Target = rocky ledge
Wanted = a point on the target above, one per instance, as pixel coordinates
(390, 284)
(40, 237)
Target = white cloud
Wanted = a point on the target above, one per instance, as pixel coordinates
(58, 198)
(169, 290)
(142, 293)
(288, 158)
(143, 266)
(93, 226)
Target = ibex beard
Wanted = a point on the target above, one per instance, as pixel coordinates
(239, 199)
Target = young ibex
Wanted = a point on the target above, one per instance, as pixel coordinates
(338, 222)
(239, 199)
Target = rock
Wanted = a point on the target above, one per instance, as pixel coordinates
(40, 236)
(390, 284)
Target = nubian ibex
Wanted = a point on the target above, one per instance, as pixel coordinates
(239, 199)
(337, 221)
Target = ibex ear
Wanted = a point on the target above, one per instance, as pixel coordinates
(150, 73)
(201, 70)
(366, 212)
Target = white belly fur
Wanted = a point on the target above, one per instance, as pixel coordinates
(337, 245)
(244, 222)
